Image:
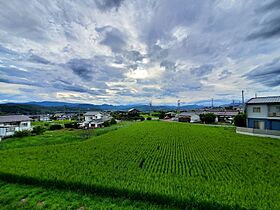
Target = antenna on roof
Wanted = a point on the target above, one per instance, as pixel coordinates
(256, 95)
(212, 105)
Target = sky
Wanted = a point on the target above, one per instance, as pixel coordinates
(137, 51)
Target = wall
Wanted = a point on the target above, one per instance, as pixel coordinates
(262, 114)
(257, 131)
(269, 123)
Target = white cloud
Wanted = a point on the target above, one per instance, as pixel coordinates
(129, 51)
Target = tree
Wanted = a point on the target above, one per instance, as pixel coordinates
(22, 133)
(207, 118)
(113, 121)
(106, 124)
(240, 120)
(38, 130)
(55, 127)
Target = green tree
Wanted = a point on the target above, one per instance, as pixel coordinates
(207, 118)
(38, 130)
(113, 121)
(240, 120)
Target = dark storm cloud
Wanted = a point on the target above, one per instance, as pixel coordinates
(38, 59)
(224, 74)
(108, 4)
(96, 68)
(168, 65)
(113, 38)
(81, 67)
(202, 71)
(270, 26)
(133, 55)
(6, 51)
(268, 74)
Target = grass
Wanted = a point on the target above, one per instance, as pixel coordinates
(57, 137)
(154, 164)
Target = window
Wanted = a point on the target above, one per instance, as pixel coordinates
(277, 108)
(24, 124)
(256, 109)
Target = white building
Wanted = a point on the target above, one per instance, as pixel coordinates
(263, 113)
(193, 117)
(11, 123)
(95, 119)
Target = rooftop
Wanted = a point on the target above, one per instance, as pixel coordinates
(264, 100)
(92, 113)
(14, 118)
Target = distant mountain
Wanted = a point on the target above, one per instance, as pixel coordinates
(53, 106)
(60, 104)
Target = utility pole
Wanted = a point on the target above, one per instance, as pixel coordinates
(212, 103)
(243, 105)
(178, 103)
(150, 108)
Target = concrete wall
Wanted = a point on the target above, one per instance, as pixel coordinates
(258, 131)
(262, 114)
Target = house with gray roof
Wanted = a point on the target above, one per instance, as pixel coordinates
(9, 124)
(95, 119)
(263, 113)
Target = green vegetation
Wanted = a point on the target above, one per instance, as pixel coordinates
(57, 137)
(148, 164)
(240, 120)
(207, 118)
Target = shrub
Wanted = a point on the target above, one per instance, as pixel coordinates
(47, 124)
(142, 118)
(240, 120)
(38, 130)
(207, 118)
(149, 118)
(106, 124)
(55, 127)
(113, 121)
(161, 115)
(71, 125)
(22, 133)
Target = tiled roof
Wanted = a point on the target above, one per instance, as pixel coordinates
(264, 100)
(91, 113)
(13, 118)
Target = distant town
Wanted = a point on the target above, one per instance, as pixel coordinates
(260, 115)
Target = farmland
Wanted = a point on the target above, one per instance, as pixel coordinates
(149, 165)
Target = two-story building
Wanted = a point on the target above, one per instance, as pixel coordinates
(9, 124)
(263, 113)
(95, 119)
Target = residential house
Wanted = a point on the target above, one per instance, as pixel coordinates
(95, 119)
(40, 117)
(11, 123)
(263, 113)
(133, 111)
(188, 117)
(169, 115)
(226, 115)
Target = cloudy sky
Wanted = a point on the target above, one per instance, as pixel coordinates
(136, 51)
